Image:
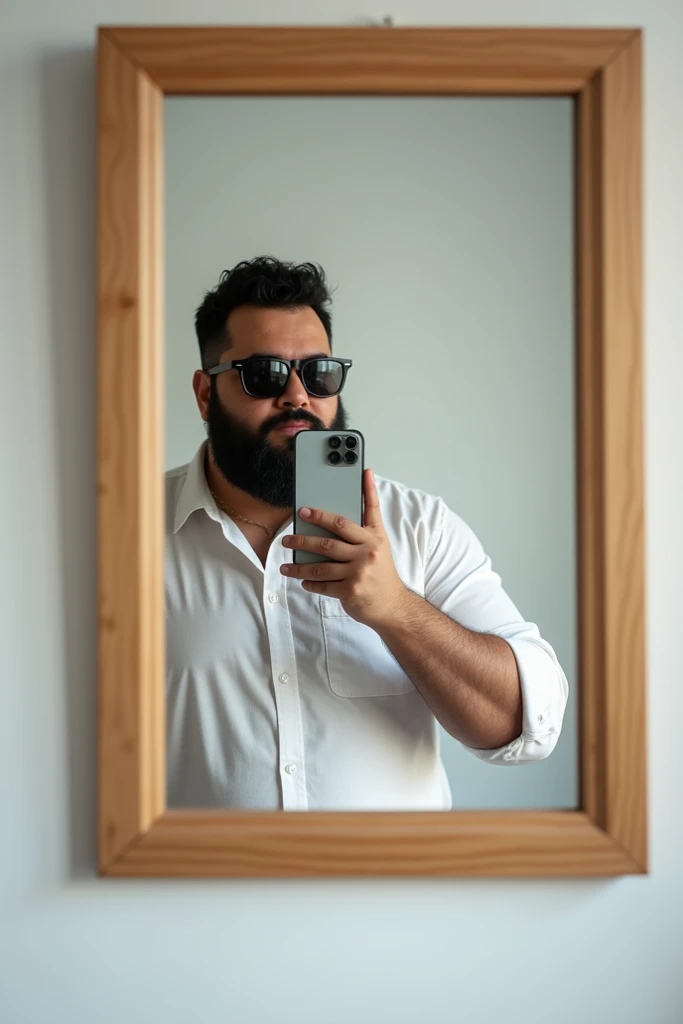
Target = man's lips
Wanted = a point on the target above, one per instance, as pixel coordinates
(293, 427)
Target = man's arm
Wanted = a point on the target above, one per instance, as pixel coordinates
(490, 678)
(469, 680)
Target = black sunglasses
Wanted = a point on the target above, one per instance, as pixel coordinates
(267, 377)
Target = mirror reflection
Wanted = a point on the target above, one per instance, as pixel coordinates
(369, 312)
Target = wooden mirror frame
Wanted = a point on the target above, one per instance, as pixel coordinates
(137, 67)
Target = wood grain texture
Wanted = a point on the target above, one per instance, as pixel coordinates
(624, 617)
(368, 61)
(611, 491)
(130, 453)
(137, 836)
(441, 844)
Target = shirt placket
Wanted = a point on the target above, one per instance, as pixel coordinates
(286, 685)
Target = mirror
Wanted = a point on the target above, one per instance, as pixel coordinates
(417, 603)
(445, 228)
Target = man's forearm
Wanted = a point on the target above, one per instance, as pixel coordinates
(469, 680)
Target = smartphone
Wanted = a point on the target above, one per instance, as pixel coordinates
(328, 474)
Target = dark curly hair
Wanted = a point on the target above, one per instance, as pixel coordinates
(263, 281)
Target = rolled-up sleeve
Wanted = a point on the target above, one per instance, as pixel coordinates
(460, 582)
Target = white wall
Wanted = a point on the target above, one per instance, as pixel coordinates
(83, 950)
(445, 225)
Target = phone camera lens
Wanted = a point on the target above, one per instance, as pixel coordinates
(351, 441)
(334, 458)
(350, 457)
(335, 442)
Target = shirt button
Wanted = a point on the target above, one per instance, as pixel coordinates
(272, 598)
(290, 769)
(284, 678)
(541, 718)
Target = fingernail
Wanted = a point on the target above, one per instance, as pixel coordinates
(305, 513)
(286, 569)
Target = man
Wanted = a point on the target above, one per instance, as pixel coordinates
(321, 686)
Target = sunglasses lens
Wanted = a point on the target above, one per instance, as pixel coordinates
(265, 378)
(323, 377)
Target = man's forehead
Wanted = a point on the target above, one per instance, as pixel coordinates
(293, 333)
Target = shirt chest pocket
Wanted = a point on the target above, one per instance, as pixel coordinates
(358, 664)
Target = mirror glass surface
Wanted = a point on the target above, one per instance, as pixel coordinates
(445, 227)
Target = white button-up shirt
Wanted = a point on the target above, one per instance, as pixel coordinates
(276, 699)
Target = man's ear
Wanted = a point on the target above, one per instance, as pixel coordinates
(201, 385)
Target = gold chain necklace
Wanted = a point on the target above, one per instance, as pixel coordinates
(236, 515)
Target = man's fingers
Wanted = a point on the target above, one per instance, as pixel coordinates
(372, 514)
(317, 571)
(344, 528)
(338, 550)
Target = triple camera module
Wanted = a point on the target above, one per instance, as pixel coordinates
(349, 456)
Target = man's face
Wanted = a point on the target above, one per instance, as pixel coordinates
(249, 446)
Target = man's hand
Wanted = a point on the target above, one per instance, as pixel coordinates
(362, 575)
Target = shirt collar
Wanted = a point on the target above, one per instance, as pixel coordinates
(194, 493)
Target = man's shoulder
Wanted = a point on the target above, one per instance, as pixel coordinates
(401, 502)
(176, 475)
(174, 480)
(418, 517)
(396, 491)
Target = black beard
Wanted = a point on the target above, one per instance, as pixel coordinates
(247, 459)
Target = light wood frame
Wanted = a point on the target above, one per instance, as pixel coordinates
(138, 836)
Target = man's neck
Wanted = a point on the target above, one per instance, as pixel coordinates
(239, 501)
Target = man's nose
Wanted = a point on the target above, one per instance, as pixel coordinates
(295, 393)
